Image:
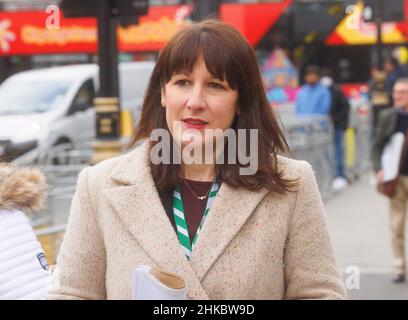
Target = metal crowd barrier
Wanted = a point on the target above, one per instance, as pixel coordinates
(358, 139)
(311, 138)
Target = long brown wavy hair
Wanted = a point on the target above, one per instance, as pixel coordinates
(227, 55)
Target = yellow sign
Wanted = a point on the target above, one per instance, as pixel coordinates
(150, 31)
(72, 34)
(353, 30)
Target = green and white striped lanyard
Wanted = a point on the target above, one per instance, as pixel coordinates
(179, 218)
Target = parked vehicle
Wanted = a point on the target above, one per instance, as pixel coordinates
(45, 107)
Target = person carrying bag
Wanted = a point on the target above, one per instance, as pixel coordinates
(392, 159)
(390, 162)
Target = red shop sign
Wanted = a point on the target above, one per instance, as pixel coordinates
(26, 32)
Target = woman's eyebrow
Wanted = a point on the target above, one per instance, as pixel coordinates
(183, 73)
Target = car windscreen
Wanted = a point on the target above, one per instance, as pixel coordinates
(17, 97)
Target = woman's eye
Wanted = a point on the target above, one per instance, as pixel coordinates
(216, 85)
(182, 82)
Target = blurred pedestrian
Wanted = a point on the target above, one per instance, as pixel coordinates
(339, 115)
(24, 270)
(393, 71)
(379, 96)
(229, 236)
(382, 97)
(373, 70)
(313, 98)
(391, 121)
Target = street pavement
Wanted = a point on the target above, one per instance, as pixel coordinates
(359, 228)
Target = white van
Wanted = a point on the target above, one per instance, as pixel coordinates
(45, 107)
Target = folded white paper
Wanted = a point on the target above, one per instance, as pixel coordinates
(155, 284)
(390, 158)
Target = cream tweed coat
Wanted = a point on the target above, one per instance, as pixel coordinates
(253, 245)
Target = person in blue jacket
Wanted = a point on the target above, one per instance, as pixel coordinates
(313, 98)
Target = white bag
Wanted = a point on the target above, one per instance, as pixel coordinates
(390, 158)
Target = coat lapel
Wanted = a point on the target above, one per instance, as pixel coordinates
(229, 212)
(136, 201)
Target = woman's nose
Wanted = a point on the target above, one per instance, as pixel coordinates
(196, 100)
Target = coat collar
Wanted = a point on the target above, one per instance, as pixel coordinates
(137, 202)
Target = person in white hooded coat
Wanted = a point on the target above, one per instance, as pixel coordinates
(24, 272)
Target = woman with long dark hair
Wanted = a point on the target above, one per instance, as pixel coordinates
(203, 193)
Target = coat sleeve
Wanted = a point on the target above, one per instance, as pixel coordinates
(80, 269)
(311, 271)
(23, 268)
(379, 141)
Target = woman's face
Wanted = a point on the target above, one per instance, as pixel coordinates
(198, 101)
